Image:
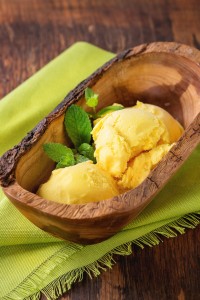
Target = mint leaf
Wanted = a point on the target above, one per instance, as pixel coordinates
(78, 125)
(87, 151)
(56, 151)
(91, 97)
(80, 158)
(108, 109)
(66, 161)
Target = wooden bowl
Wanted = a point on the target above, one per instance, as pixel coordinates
(164, 74)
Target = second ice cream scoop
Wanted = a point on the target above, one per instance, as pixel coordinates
(123, 135)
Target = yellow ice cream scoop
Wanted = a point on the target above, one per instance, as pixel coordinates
(81, 183)
(126, 142)
(122, 135)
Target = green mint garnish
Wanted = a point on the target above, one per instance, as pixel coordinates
(78, 125)
(107, 109)
(87, 151)
(91, 98)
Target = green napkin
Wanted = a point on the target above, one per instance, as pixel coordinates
(31, 260)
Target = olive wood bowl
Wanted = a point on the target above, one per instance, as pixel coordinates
(164, 74)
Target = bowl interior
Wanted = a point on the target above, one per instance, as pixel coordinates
(164, 79)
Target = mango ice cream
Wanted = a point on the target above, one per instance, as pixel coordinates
(81, 183)
(130, 142)
(128, 145)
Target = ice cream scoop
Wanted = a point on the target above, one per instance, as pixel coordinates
(124, 139)
(82, 183)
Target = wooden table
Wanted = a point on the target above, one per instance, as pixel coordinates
(32, 32)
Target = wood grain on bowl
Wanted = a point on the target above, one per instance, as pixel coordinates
(164, 74)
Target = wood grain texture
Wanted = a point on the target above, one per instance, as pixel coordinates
(32, 33)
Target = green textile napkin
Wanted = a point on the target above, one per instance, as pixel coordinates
(31, 260)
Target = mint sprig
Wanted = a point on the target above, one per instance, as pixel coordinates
(78, 125)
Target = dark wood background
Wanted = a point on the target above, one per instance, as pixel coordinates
(32, 32)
